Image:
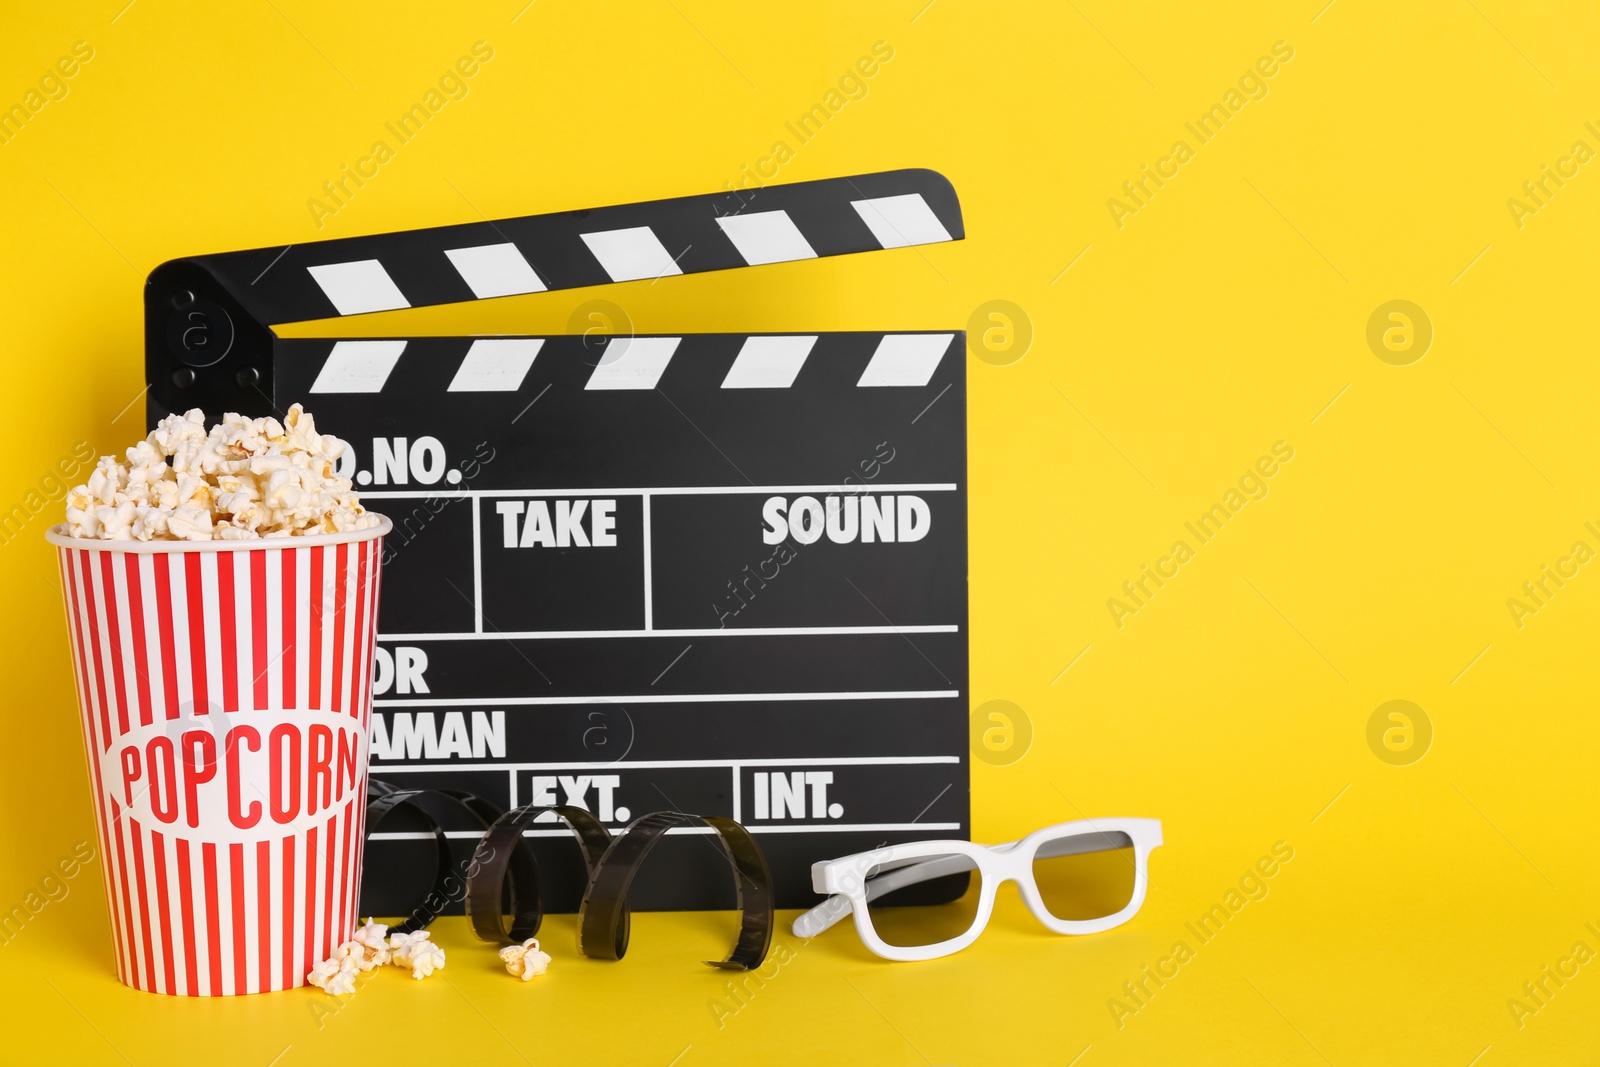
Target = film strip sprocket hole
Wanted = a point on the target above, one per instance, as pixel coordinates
(722, 573)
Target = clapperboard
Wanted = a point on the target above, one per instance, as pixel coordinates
(716, 573)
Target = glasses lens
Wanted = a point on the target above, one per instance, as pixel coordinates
(923, 903)
(1086, 876)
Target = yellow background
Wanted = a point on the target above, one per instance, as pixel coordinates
(1224, 316)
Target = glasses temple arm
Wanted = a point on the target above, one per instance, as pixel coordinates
(836, 907)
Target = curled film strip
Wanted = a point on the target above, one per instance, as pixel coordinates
(603, 917)
(502, 860)
(495, 867)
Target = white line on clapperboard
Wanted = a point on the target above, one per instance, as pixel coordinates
(649, 550)
(803, 828)
(662, 698)
(477, 570)
(727, 631)
(675, 490)
(667, 764)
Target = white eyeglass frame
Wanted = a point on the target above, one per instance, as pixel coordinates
(897, 866)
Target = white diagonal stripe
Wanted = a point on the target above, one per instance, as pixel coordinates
(898, 221)
(766, 237)
(633, 362)
(494, 270)
(496, 365)
(358, 366)
(905, 359)
(359, 287)
(768, 362)
(631, 253)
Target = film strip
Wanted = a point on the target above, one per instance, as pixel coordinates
(503, 864)
(718, 573)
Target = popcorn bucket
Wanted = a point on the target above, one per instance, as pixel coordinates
(226, 694)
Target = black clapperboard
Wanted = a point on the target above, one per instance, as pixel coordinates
(718, 573)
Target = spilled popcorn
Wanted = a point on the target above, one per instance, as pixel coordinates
(373, 946)
(417, 952)
(373, 949)
(525, 960)
(337, 973)
(243, 479)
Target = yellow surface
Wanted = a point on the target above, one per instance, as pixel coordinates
(1228, 313)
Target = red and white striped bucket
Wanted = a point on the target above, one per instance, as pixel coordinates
(226, 693)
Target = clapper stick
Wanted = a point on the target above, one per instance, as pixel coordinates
(207, 337)
(721, 573)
